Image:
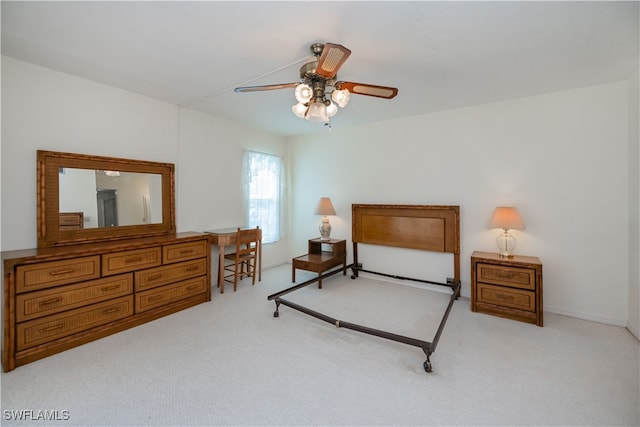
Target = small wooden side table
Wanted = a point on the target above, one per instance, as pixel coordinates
(508, 287)
(320, 260)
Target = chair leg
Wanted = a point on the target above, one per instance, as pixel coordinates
(235, 278)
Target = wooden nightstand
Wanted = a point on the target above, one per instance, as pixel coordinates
(320, 260)
(507, 287)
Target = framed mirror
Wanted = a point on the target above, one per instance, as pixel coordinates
(84, 198)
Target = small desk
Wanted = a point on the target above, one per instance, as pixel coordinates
(318, 260)
(227, 237)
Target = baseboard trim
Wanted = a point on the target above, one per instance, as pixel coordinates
(633, 332)
(584, 316)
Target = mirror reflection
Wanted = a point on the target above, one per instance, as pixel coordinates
(104, 198)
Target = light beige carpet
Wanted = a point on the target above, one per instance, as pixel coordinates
(230, 362)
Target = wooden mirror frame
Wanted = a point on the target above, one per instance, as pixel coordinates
(49, 232)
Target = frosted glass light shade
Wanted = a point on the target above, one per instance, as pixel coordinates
(299, 110)
(317, 112)
(341, 97)
(303, 93)
(332, 109)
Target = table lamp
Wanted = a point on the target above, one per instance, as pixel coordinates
(507, 218)
(325, 207)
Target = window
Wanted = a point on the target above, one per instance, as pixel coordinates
(264, 194)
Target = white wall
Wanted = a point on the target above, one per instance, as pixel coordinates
(633, 323)
(560, 158)
(209, 191)
(46, 109)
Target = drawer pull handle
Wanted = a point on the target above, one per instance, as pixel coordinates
(50, 328)
(155, 277)
(50, 301)
(155, 298)
(110, 288)
(193, 287)
(193, 268)
(505, 297)
(186, 251)
(111, 310)
(135, 259)
(505, 275)
(59, 272)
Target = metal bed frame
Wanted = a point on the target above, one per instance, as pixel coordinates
(425, 227)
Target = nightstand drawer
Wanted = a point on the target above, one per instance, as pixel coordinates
(523, 278)
(506, 297)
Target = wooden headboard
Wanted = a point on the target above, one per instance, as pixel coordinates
(426, 227)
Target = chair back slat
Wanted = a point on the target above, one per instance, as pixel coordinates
(244, 258)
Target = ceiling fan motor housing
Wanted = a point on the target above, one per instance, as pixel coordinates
(310, 77)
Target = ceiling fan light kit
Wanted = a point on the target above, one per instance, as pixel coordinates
(318, 93)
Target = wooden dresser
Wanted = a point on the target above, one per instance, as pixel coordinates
(59, 298)
(508, 287)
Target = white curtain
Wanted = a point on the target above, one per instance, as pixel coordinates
(264, 194)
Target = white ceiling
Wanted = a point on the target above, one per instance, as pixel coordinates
(440, 55)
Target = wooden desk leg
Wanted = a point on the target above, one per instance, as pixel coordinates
(221, 269)
(293, 274)
(320, 281)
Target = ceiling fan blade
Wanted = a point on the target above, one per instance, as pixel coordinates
(332, 58)
(366, 89)
(264, 87)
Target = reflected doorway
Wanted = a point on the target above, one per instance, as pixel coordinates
(107, 207)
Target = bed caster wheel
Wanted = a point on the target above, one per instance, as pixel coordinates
(427, 366)
(276, 314)
(353, 277)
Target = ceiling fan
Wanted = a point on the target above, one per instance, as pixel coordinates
(319, 93)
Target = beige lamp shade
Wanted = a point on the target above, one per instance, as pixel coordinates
(507, 218)
(325, 207)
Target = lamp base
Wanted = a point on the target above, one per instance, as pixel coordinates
(325, 229)
(506, 244)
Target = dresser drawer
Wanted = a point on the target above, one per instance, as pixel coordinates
(48, 274)
(50, 301)
(39, 331)
(153, 277)
(123, 262)
(184, 251)
(148, 300)
(523, 278)
(507, 297)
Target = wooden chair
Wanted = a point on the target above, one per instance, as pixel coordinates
(242, 263)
